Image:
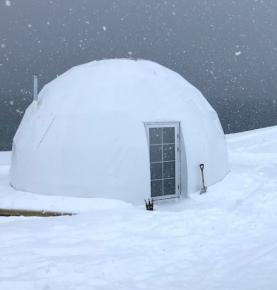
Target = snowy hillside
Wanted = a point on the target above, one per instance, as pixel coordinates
(226, 239)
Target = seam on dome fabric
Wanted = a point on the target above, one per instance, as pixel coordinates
(46, 131)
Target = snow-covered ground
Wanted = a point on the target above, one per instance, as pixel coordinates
(226, 239)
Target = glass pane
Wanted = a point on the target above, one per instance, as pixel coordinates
(162, 161)
(168, 152)
(156, 188)
(155, 153)
(169, 169)
(155, 135)
(169, 135)
(156, 171)
(169, 186)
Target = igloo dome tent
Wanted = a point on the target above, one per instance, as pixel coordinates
(121, 129)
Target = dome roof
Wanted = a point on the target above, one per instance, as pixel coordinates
(86, 135)
(121, 85)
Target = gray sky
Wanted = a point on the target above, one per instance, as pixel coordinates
(228, 49)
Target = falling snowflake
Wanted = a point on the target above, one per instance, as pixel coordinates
(238, 53)
(3, 45)
(8, 3)
(20, 112)
(104, 28)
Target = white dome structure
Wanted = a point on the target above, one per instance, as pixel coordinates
(121, 129)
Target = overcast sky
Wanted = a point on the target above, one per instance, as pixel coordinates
(228, 49)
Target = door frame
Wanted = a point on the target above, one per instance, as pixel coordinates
(176, 125)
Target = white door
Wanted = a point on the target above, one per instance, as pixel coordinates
(164, 154)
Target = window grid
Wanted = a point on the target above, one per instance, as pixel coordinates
(162, 179)
(165, 161)
(166, 178)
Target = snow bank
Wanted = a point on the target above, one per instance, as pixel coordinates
(5, 158)
(225, 239)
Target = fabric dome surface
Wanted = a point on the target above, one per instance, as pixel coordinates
(85, 136)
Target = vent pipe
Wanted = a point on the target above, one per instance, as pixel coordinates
(35, 88)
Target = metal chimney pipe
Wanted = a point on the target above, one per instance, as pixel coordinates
(35, 88)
